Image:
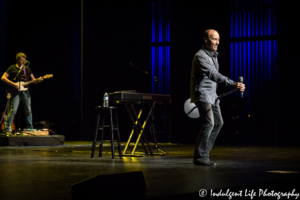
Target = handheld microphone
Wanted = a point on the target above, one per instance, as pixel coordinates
(241, 81)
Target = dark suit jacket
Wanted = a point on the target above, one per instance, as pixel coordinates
(205, 76)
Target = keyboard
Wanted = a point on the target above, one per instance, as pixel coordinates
(133, 97)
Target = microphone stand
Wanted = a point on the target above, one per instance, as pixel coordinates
(20, 95)
(18, 73)
(19, 123)
(219, 97)
(157, 82)
(223, 95)
(19, 109)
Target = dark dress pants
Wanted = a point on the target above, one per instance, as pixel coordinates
(212, 123)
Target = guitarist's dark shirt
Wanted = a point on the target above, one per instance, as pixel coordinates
(13, 70)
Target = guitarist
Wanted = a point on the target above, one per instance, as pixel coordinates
(15, 73)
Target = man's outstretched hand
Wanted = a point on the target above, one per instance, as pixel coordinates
(240, 86)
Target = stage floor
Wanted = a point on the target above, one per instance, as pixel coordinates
(48, 172)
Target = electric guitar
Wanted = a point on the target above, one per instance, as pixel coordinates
(4, 115)
(13, 91)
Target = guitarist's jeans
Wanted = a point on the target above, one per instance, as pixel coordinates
(212, 123)
(26, 99)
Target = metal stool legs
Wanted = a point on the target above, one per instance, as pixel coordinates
(118, 132)
(112, 133)
(95, 135)
(112, 129)
(101, 140)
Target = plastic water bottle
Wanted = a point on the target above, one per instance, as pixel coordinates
(105, 100)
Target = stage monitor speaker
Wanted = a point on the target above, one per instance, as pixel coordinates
(129, 185)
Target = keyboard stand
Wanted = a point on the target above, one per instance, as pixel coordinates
(138, 128)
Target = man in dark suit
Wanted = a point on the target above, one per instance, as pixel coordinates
(204, 79)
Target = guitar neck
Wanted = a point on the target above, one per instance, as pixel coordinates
(29, 82)
(35, 80)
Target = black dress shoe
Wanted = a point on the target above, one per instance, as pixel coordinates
(205, 163)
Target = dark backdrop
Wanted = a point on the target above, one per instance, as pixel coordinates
(2, 44)
(274, 111)
(115, 32)
(118, 32)
(43, 31)
(288, 75)
(189, 21)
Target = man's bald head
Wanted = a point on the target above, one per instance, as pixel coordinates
(211, 39)
(208, 33)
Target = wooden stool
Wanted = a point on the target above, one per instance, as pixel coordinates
(101, 110)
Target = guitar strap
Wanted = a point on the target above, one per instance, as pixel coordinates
(24, 72)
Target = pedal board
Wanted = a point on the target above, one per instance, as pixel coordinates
(35, 133)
